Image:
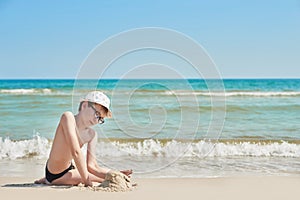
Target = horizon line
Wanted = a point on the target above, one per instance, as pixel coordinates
(115, 78)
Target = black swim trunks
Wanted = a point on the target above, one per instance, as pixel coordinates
(51, 177)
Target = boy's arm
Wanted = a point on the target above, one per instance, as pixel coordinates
(92, 164)
(91, 160)
(68, 124)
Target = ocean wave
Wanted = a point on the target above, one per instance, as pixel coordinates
(200, 149)
(233, 93)
(48, 91)
(39, 147)
(26, 91)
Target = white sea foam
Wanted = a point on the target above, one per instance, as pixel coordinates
(260, 94)
(26, 91)
(199, 149)
(234, 93)
(39, 148)
(36, 91)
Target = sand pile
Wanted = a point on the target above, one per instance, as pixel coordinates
(115, 182)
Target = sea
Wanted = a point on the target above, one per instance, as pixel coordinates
(161, 128)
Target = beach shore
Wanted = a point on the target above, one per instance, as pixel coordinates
(167, 188)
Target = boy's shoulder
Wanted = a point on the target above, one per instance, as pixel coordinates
(91, 132)
(68, 115)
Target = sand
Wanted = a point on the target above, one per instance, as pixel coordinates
(168, 188)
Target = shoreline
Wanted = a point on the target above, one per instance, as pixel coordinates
(248, 187)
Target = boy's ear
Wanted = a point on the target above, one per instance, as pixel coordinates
(84, 105)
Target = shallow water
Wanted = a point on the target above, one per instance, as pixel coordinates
(161, 128)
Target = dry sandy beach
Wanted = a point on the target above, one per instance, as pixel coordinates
(173, 188)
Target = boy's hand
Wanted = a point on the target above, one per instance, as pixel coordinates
(88, 182)
(127, 172)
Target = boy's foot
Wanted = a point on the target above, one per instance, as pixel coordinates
(40, 181)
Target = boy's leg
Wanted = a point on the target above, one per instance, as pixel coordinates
(73, 177)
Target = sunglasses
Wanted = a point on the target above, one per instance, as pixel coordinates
(97, 114)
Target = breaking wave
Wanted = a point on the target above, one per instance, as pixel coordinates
(236, 93)
(39, 148)
(26, 91)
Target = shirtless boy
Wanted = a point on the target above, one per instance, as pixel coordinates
(73, 131)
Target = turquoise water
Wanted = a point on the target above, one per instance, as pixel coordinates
(163, 122)
(264, 109)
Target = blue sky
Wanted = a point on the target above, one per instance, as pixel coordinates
(246, 39)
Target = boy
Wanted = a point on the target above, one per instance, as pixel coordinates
(72, 133)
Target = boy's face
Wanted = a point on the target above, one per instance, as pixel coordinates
(96, 113)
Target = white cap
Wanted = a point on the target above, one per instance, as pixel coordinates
(99, 98)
